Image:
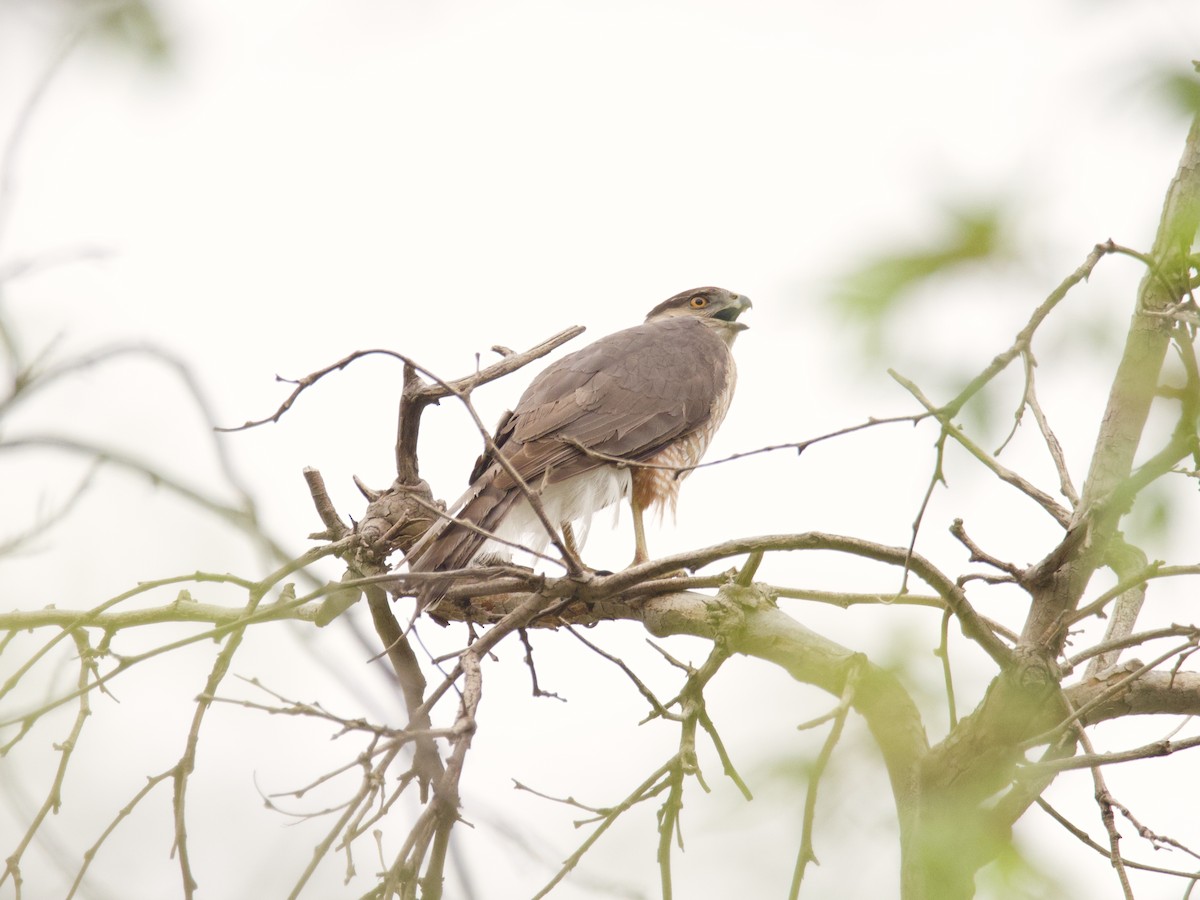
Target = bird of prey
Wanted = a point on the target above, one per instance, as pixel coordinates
(653, 394)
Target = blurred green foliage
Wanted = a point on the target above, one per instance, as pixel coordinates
(1180, 87)
(1156, 511)
(131, 27)
(1013, 874)
(969, 235)
(137, 27)
(965, 241)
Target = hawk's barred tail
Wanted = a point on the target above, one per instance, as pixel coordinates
(457, 545)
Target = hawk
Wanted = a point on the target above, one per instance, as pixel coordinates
(652, 394)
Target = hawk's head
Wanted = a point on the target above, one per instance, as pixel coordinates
(716, 307)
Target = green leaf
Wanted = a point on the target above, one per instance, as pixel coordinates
(969, 236)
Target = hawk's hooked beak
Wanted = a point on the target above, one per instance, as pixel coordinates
(738, 305)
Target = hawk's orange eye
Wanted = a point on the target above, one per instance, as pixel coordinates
(699, 302)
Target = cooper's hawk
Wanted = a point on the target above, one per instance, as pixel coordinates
(653, 394)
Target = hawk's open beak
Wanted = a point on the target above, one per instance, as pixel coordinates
(737, 306)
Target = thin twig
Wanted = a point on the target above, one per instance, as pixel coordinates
(1157, 841)
(444, 389)
(655, 705)
(722, 754)
(691, 708)
(122, 814)
(1025, 335)
(1083, 838)
(942, 414)
(1146, 751)
(187, 762)
(1065, 484)
(1104, 801)
(806, 854)
(798, 446)
(1155, 569)
(649, 788)
(66, 748)
(523, 634)
(372, 779)
(959, 531)
(943, 653)
(24, 117)
(598, 812)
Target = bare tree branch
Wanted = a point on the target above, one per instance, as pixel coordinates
(1133, 391)
(806, 853)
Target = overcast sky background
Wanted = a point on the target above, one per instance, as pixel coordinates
(303, 179)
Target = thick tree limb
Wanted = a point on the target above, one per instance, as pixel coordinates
(1155, 693)
(1130, 398)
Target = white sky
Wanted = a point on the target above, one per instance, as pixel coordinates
(310, 178)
